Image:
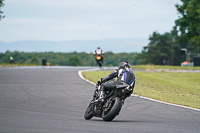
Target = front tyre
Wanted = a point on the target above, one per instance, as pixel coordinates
(112, 110)
(88, 112)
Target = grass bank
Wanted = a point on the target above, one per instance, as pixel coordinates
(177, 88)
(151, 67)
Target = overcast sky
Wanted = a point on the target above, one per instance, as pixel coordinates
(62, 20)
(76, 20)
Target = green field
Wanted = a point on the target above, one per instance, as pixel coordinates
(177, 88)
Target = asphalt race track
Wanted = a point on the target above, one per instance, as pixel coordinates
(53, 100)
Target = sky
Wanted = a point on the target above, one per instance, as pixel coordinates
(68, 20)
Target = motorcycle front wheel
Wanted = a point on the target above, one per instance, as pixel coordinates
(112, 110)
(88, 112)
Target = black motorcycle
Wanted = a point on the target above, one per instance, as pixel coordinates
(112, 104)
(99, 60)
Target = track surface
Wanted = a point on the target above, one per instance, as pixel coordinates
(54, 100)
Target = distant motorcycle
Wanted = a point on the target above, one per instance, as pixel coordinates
(99, 60)
(112, 104)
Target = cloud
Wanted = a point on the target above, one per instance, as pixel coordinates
(85, 19)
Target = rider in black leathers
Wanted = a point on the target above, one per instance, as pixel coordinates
(124, 75)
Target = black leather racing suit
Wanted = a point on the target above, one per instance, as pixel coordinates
(124, 75)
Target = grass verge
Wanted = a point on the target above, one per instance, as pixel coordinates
(177, 88)
(151, 67)
(15, 64)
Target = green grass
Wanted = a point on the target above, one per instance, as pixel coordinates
(177, 88)
(163, 67)
(15, 64)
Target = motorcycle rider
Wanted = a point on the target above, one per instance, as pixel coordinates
(44, 61)
(12, 60)
(99, 52)
(124, 75)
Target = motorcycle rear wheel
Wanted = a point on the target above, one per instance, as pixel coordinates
(88, 112)
(100, 63)
(113, 110)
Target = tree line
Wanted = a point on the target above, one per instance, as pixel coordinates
(68, 59)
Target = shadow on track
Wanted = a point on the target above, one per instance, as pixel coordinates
(123, 121)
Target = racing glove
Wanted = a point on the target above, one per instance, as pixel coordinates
(99, 82)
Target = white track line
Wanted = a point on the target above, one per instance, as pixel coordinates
(81, 76)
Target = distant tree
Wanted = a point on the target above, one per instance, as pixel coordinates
(34, 61)
(1, 5)
(74, 61)
(188, 23)
(162, 50)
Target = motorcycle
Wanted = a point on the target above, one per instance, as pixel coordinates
(112, 104)
(99, 60)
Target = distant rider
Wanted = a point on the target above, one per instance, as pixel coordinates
(12, 60)
(44, 61)
(124, 75)
(99, 52)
